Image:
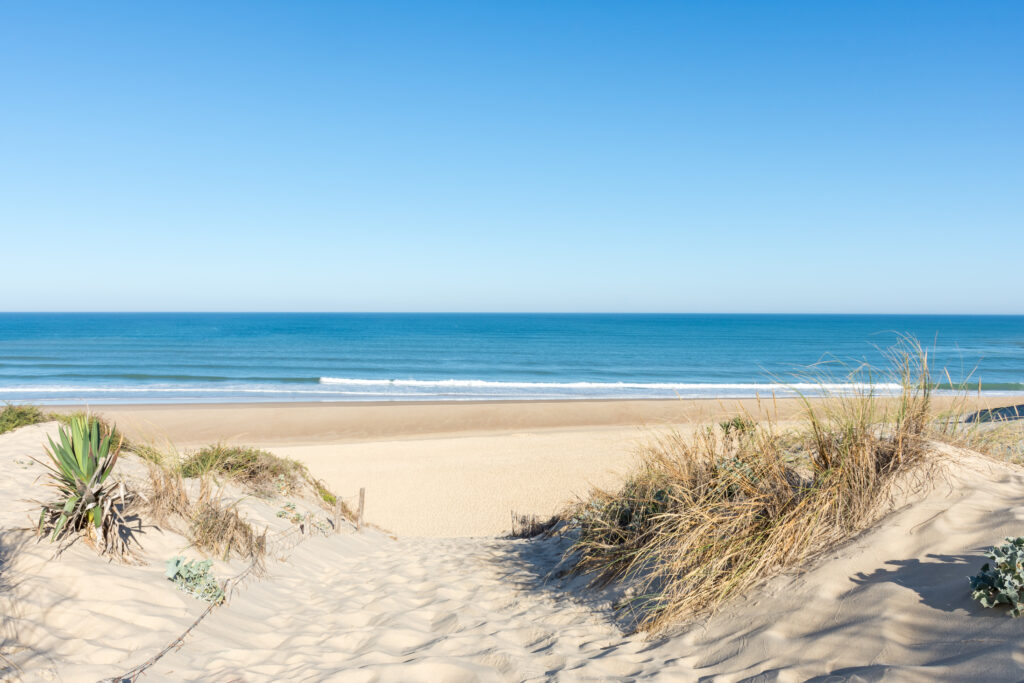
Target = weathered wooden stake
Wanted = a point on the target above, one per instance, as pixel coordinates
(359, 516)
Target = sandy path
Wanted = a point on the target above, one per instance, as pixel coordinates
(427, 610)
(892, 605)
(471, 485)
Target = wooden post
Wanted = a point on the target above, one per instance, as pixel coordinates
(339, 514)
(359, 516)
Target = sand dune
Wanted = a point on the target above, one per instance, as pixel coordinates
(893, 605)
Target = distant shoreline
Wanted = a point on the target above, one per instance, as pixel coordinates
(334, 422)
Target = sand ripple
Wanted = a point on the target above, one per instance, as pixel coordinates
(893, 605)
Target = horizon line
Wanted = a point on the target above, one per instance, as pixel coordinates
(524, 312)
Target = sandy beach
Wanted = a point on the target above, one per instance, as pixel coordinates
(441, 469)
(342, 422)
(371, 606)
(452, 469)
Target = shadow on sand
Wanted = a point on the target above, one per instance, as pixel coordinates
(539, 565)
(941, 583)
(12, 542)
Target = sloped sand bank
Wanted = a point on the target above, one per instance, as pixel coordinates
(894, 604)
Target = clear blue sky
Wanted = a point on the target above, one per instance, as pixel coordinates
(516, 156)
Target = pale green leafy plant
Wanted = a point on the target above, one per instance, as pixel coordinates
(1002, 582)
(195, 579)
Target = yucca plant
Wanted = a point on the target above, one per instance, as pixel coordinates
(88, 501)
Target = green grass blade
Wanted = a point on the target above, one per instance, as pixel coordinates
(64, 438)
(69, 505)
(67, 465)
(78, 441)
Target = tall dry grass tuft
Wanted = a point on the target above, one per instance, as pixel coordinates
(217, 528)
(531, 526)
(996, 432)
(164, 457)
(708, 517)
(167, 499)
(1000, 437)
(210, 524)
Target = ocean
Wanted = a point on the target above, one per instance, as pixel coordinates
(235, 357)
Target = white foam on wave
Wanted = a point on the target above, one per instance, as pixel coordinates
(365, 389)
(667, 386)
(419, 387)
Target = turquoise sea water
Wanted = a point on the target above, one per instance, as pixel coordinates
(181, 357)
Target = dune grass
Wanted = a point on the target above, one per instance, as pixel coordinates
(1003, 440)
(14, 415)
(531, 526)
(706, 518)
(259, 471)
(161, 457)
(256, 471)
(325, 494)
(167, 498)
(997, 432)
(217, 528)
(209, 523)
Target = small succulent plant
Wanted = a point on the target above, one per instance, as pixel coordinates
(1002, 582)
(320, 526)
(195, 579)
(288, 512)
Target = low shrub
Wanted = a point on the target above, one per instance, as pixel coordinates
(14, 415)
(325, 493)
(259, 471)
(1002, 582)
